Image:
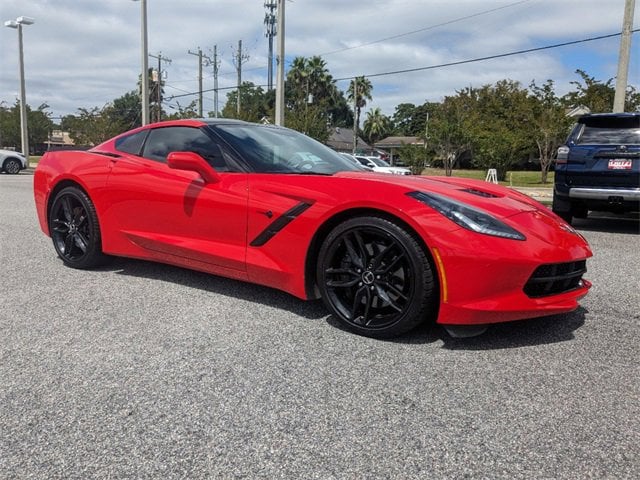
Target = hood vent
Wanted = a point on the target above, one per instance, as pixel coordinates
(480, 193)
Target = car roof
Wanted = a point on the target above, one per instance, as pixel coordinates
(609, 115)
(611, 120)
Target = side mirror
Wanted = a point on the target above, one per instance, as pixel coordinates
(193, 162)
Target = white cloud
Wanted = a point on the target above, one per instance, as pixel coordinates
(84, 53)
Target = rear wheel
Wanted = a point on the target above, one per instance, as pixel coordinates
(74, 228)
(375, 278)
(12, 166)
(562, 208)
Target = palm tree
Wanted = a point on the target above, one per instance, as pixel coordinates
(297, 75)
(376, 125)
(310, 76)
(321, 83)
(359, 92)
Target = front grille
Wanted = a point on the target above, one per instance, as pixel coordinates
(555, 278)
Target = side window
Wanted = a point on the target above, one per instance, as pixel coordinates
(131, 143)
(164, 140)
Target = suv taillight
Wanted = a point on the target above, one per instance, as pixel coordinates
(563, 155)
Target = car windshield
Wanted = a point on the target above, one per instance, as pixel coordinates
(379, 162)
(270, 149)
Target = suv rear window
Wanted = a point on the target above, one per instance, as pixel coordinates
(609, 131)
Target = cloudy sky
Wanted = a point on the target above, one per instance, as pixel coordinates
(85, 53)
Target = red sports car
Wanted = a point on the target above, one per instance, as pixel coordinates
(271, 206)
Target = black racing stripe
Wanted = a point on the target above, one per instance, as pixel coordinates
(279, 223)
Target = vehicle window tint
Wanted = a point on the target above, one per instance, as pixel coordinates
(609, 136)
(608, 130)
(131, 143)
(163, 141)
(269, 149)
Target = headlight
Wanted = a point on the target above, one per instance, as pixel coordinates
(467, 216)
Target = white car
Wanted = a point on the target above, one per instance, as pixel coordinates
(379, 165)
(357, 162)
(12, 162)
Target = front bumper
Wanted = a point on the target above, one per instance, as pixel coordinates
(485, 281)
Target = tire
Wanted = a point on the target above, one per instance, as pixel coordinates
(566, 216)
(375, 278)
(12, 166)
(74, 229)
(562, 208)
(580, 211)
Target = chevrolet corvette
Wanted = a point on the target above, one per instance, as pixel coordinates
(268, 205)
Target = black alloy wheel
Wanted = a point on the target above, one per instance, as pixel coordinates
(12, 166)
(74, 229)
(375, 277)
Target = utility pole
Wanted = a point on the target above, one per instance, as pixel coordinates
(159, 82)
(623, 59)
(216, 64)
(200, 56)
(355, 114)
(239, 60)
(270, 32)
(279, 120)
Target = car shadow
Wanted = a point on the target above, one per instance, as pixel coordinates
(609, 222)
(523, 333)
(312, 310)
(540, 331)
(420, 335)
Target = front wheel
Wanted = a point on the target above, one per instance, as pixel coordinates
(74, 228)
(375, 277)
(12, 166)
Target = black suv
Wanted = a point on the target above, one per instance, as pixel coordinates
(599, 166)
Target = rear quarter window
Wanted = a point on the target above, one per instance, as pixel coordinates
(131, 143)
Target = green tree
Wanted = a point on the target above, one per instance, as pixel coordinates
(410, 120)
(127, 111)
(188, 111)
(38, 121)
(402, 118)
(376, 126)
(447, 130)
(598, 96)
(253, 103)
(498, 126)
(414, 156)
(547, 115)
(313, 102)
(312, 122)
(358, 93)
(91, 126)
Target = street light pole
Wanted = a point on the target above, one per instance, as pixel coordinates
(144, 78)
(24, 129)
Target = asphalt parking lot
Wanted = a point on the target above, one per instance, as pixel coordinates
(140, 370)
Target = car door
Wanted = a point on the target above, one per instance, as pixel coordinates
(174, 215)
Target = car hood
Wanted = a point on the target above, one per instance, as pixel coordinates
(500, 201)
(391, 169)
(11, 152)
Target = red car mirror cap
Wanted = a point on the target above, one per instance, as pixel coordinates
(193, 162)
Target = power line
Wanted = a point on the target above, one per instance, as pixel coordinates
(490, 57)
(431, 27)
(461, 62)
